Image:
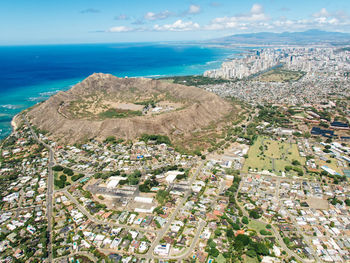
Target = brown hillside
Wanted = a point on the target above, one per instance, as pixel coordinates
(104, 105)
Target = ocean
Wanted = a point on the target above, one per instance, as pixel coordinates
(30, 74)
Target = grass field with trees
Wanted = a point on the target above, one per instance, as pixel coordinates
(273, 156)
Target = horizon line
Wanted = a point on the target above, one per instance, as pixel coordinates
(164, 41)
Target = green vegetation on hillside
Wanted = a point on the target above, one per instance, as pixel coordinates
(119, 113)
(158, 139)
(194, 80)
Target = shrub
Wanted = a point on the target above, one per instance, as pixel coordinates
(68, 171)
(265, 233)
(57, 168)
(295, 162)
(77, 177)
(254, 214)
(63, 178)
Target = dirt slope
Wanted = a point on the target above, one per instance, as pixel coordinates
(58, 114)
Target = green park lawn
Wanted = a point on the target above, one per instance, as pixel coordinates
(257, 226)
(267, 154)
(220, 259)
(250, 260)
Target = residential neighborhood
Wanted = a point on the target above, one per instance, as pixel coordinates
(272, 186)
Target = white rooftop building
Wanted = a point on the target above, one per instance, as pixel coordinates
(113, 181)
(162, 250)
(171, 176)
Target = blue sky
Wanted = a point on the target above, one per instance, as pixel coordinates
(90, 21)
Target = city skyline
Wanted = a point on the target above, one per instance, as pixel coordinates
(90, 21)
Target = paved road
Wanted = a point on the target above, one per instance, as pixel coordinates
(161, 233)
(306, 238)
(86, 175)
(50, 182)
(276, 232)
(21, 196)
(281, 177)
(283, 245)
(201, 225)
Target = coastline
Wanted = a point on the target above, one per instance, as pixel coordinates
(183, 62)
(14, 124)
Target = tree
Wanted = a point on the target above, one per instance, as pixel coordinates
(197, 152)
(307, 135)
(57, 168)
(229, 233)
(63, 178)
(110, 139)
(286, 240)
(144, 188)
(347, 202)
(217, 232)
(251, 253)
(243, 238)
(159, 139)
(264, 232)
(295, 162)
(334, 201)
(133, 181)
(59, 183)
(77, 177)
(68, 171)
(161, 196)
(288, 168)
(235, 226)
(211, 244)
(238, 246)
(262, 249)
(245, 220)
(214, 252)
(254, 214)
(136, 173)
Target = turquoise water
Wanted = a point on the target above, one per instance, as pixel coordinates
(30, 74)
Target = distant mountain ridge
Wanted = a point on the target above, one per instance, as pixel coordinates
(312, 36)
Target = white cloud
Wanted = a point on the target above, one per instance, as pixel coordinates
(157, 16)
(254, 20)
(255, 15)
(322, 13)
(257, 9)
(152, 16)
(257, 20)
(120, 29)
(178, 25)
(194, 9)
